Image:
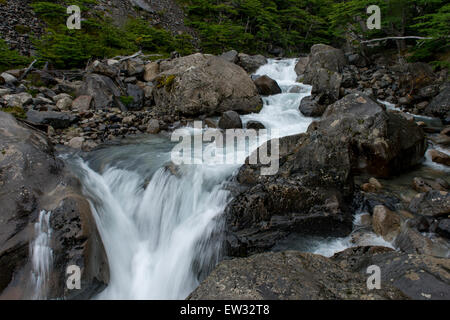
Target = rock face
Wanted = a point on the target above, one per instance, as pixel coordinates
(32, 180)
(204, 84)
(440, 157)
(230, 56)
(419, 277)
(383, 143)
(267, 86)
(385, 222)
(287, 276)
(300, 67)
(323, 71)
(101, 88)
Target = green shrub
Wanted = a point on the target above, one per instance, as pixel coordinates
(10, 59)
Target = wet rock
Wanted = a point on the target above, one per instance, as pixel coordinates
(300, 67)
(190, 86)
(255, 125)
(267, 86)
(230, 120)
(310, 108)
(432, 203)
(385, 222)
(416, 276)
(33, 180)
(251, 63)
(58, 120)
(287, 275)
(440, 157)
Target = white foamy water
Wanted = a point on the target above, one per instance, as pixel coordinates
(41, 255)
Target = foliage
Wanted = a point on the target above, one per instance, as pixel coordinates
(10, 59)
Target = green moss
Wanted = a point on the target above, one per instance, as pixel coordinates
(126, 100)
(17, 112)
(167, 82)
(2, 2)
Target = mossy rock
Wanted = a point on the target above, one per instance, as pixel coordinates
(17, 112)
(167, 82)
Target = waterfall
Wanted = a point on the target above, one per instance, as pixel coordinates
(160, 229)
(41, 255)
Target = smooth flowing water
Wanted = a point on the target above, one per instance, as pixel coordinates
(160, 229)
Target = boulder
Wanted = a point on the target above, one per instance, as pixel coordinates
(440, 157)
(255, 125)
(137, 94)
(385, 222)
(300, 67)
(310, 108)
(41, 78)
(58, 120)
(101, 68)
(64, 104)
(443, 228)
(323, 71)
(432, 203)
(18, 100)
(230, 120)
(102, 90)
(33, 181)
(151, 71)
(418, 277)
(383, 143)
(204, 84)
(230, 56)
(440, 105)
(287, 275)
(133, 67)
(82, 103)
(251, 63)
(153, 126)
(267, 86)
(8, 78)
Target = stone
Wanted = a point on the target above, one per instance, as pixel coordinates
(251, 63)
(310, 108)
(18, 100)
(230, 120)
(432, 203)
(8, 78)
(102, 90)
(58, 120)
(230, 56)
(82, 103)
(300, 67)
(440, 157)
(287, 275)
(151, 71)
(385, 222)
(153, 126)
(64, 104)
(76, 142)
(101, 68)
(255, 125)
(191, 86)
(267, 86)
(138, 97)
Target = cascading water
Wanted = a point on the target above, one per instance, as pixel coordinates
(41, 255)
(157, 227)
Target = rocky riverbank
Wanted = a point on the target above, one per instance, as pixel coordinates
(337, 168)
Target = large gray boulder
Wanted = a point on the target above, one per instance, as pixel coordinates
(58, 120)
(440, 105)
(288, 275)
(204, 84)
(383, 143)
(34, 180)
(102, 90)
(267, 86)
(324, 71)
(251, 63)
